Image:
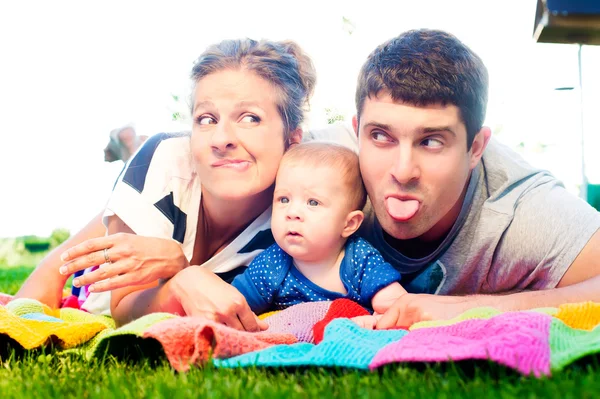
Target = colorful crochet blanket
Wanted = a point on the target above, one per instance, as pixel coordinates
(536, 342)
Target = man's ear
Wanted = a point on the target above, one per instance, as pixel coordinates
(353, 222)
(480, 142)
(355, 124)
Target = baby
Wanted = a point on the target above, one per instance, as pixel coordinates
(317, 206)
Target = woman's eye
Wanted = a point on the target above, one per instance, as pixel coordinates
(313, 202)
(433, 143)
(284, 200)
(206, 120)
(250, 119)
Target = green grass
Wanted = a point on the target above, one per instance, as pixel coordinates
(12, 278)
(38, 374)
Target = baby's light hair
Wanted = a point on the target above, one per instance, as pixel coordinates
(339, 157)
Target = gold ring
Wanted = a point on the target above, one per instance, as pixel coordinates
(106, 258)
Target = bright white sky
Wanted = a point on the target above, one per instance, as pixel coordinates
(71, 71)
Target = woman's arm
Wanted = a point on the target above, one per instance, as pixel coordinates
(45, 283)
(133, 260)
(193, 291)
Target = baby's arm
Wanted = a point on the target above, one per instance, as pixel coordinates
(246, 285)
(256, 283)
(384, 298)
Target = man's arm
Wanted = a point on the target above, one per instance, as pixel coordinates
(580, 283)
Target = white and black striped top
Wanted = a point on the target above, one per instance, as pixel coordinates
(158, 195)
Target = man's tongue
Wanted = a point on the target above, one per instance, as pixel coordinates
(401, 210)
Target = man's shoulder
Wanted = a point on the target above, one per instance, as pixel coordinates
(508, 175)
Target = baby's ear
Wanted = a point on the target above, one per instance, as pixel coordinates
(295, 137)
(353, 222)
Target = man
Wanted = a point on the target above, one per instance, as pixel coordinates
(457, 213)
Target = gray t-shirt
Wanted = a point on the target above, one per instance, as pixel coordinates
(518, 229)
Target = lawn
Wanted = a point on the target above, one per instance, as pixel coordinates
(35, 374)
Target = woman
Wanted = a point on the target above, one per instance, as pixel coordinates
(204, 198)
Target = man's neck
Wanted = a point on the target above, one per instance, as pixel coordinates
(415, 248)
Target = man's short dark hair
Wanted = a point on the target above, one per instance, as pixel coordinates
(424, 67)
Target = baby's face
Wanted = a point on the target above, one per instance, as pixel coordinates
(310, 208)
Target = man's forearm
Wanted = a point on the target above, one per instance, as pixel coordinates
(588, 290)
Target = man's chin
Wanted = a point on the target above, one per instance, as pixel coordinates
(400, 230)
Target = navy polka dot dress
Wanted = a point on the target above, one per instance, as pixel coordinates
(273, 282)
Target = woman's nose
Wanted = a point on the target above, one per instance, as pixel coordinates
(223, 137)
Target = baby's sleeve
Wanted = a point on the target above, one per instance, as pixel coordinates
(256, 283)
(374, 273)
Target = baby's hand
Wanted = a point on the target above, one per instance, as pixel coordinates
(369, 322)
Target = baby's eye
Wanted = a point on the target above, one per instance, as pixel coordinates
(312, 202)
(284, 200)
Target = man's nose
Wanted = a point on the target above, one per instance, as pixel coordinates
(406, 167)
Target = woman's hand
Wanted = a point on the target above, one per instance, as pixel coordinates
(132, 260)
(200, 292)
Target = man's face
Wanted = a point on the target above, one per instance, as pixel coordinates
(415, 165)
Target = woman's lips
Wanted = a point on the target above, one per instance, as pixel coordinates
(235, 164)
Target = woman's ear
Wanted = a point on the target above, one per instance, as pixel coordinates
(353, 222)
(295, 137)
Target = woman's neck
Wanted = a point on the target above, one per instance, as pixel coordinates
(222, 218)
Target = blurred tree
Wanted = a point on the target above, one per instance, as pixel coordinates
(333, 116)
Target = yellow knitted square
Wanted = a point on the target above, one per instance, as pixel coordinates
(583, 315)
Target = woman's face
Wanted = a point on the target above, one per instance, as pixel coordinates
(237, 134)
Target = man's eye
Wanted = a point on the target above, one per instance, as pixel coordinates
(433, 143)
(379, 136)
(284, 200)
(250, 119)
(206, 120)
(312, 202)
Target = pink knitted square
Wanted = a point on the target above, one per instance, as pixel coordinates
(5, 298)
(516, 339)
